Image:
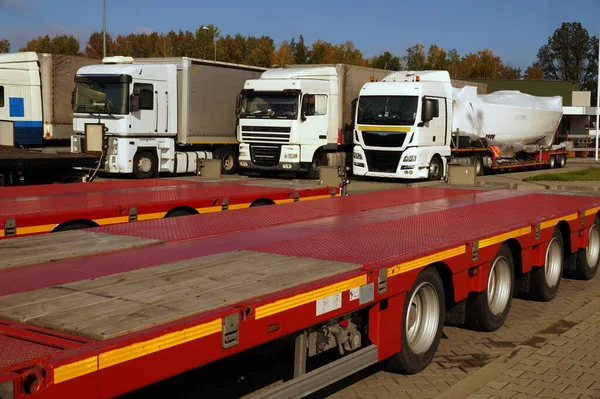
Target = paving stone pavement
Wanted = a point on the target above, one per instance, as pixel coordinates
(566, 366)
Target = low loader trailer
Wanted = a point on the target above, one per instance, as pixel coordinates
(370, 276)
(54, 208)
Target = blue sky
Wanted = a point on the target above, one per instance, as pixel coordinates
(513, 29)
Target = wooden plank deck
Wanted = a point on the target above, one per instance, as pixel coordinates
(119, 304)
(32, 250)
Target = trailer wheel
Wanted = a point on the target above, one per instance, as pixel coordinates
(436, 168)
(545, 280)
(562, 160)
(229, 160)
(589, 258)
(144, 165)
(487, 310)
(552, 162)
(478, 162)
(422, 323)
(314, 169)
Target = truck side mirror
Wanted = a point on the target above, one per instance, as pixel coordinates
(73, 100)
(428, 110)
(354, 102)
(134, 103)
(238, 105)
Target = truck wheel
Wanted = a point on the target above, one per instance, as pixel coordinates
(315, 166)
(562, 160)
(545, 280)
(552, 162)
(478, 162)
(487, 310)
(589, 258)
(436, 169)
(144, 165)
(229, 160)
(422, 323)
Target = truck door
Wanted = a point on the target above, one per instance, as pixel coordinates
(315, 121)
(145, 120)
(434, 132)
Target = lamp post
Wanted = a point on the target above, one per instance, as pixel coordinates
(214, 40)
(598, 99)
(104, 27)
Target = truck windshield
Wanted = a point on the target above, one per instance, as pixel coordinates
(101, 96)
(387, 110)
(270, 105)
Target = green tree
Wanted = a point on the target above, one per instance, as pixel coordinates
(570, 55)
(229, 50)
(436, 58)
(260, 51)
(299, 50)
(347, 53)
(453, 65)
(386, 61)
(322, 52)
(283, 56)
(4, 46)
(205, 36)
(61, 44)
(415, 57)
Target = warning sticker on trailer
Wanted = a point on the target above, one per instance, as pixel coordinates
(354, 293)
(329, 304)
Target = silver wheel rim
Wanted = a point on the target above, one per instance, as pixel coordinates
(499, 285)
(434, 170)
(553, 263)
(422, 318)
(552, 161)
(228, 162)
(592, 251)
(145, 164)
(562, 161)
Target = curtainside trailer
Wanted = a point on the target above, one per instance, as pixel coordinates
(370, 276)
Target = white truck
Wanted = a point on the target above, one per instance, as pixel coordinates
(300, 117)
(412, 124)
(148, 116)
(35, 94)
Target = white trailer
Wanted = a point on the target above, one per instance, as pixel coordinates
(35, 94)
(148, 116)
(300, 117)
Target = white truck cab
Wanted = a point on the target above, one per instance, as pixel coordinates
(403, 126)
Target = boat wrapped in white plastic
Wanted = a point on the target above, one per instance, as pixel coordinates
(512, 120)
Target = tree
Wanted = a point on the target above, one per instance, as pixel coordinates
(570, 55)
(260, 51)
(436, 58)
(4, 46)
(283, 56)
(386, 61)
(230, 50)
(322, 52)
(347, 53)
(299, 50)
(534, 73)
(94, 47)
(509, 72)
(204, 47)
(453, 65)
(62, 44)
(415, 57)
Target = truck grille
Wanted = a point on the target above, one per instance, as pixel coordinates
(384, 139)
(383, 161)
(265, 155)
(266, 134)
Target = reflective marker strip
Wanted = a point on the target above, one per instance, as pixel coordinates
(592, 211)
(486, 242)
(45, 228)
(115, 220)
(427, 260)
(76, 369)
(380, 128)
(116, 356)
(151, 216)
(308, 297)
(554, 222)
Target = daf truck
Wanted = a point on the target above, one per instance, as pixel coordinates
(413, 124)
(35, 94)
(161, 115)
(298, 118)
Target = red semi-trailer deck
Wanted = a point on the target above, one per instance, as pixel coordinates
(52, 208)
(372, 276)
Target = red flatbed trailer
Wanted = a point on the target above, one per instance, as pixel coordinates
(51, 208)
(374, 272)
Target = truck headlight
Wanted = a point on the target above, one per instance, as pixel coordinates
(243, 154)
(409, 158)
(75, 143)
(291, 156)
(357, 155)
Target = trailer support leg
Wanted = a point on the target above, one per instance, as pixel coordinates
(300, 354)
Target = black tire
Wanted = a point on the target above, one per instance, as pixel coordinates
(73, 226)
(410, 361)
(484, 314)
(588, 258)
(261, 203)
(552, 162)
(436, 169)
(145, 165)
(478, 162)
(314, 168)
(562, 160)
(178, 213)
(229, 160)
(545, 280)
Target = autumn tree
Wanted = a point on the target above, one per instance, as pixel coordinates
(230, 50)
(322, 52)
(283, 56)
(534, 73)
(570, 55)
(62, 44)
(94, 47)
(260, 51)
(436, 58)
(386, 61)
(415, 57)
(4, 46)
(453, 64)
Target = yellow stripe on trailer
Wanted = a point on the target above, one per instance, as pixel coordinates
(591, 211)
(76, 369)
(424, 261)
(114, 220)
(44, 228)
(308, 297)
(554, 222)
(486, 242)
(151, 216)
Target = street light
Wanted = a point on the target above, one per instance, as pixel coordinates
(104, 27)
(214, 40)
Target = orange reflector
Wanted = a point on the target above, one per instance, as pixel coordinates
(418, 78)
(372, 78)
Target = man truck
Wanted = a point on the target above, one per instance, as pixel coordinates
(148, 116)
(412, 124)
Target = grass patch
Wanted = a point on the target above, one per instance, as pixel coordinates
(591, 174)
